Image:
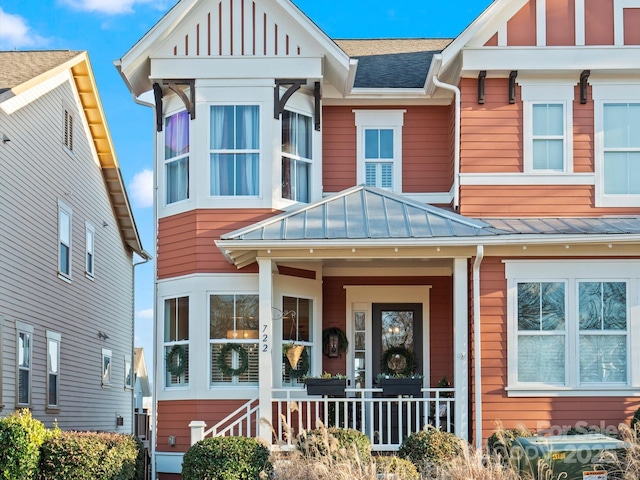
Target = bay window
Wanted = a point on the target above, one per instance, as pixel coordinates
(233, 339)
(296, 156)
(176, 157)
(234, 142)
(176, 341)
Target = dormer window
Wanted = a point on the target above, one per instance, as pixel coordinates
(296, 156)
(235, 150)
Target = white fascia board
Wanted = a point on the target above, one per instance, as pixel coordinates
(397, 93)
(236, 67)
(546, 59)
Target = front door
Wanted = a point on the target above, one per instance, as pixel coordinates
(396, 325)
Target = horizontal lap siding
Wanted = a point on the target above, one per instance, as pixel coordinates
(441, 307)
(186, 241)
(338, 148)
(534, 413)
(583, 133)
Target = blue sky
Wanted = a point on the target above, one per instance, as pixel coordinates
(108, 28)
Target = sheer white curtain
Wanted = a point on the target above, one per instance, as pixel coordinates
(176, 154)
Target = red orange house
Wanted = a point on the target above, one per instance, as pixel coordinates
(475, 201)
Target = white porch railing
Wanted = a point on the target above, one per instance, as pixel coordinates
(386, 421)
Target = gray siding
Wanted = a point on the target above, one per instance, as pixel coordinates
(35, 172)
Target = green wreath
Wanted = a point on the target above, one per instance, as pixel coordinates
(303, 366)
(410, 360)
(176, 360)
(224, 367)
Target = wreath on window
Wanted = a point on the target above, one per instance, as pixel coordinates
(397, 355)
(224, 366)
(176, 360)
(302, 366)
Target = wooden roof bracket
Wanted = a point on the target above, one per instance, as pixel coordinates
(189, 103)
(279, 103)
(157, 95)
(512, 86)
(481, 76)
(584, 78)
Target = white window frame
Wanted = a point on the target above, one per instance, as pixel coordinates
(618, 18)
(64, 209)
(90, 257)
(605, 92)
(298, 159)
(167, 161)
(107, 367)
(25, 329)
(258, 151)
(67, 129)
(380, 120)
(310, 346)
(574, 272)
(166, 344)
(128, 372)
(536, 93)
(56, 338)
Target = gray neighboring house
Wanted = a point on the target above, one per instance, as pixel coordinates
(67, 245)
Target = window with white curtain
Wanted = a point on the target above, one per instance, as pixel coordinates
(570, 325)
(176, 157)
(296, 156)
(53, 369)
(621, 137)
(234, 142)
(24, 353)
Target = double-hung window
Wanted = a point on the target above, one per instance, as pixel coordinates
(570, 326)
(53, 369)
(106, 367)
(379, 148)
(233, 339)
(176, 341)
(64, 240)
(176, 157)
(90, 235)
(548, 127)
(296, 156)
(234, 144)
(24, 352)
(297, 328)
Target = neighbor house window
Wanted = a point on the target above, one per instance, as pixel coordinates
(176, 341)
(570, 326)
(297, 325)
(234, 142)
(64, 240)
(176, 157)
(233, 339)
(24, 352)
(67, 136)
(296, 156)
(106, 367)
(128, 371)
(90, 234)
(53, 369)
(379, 148)
(548, 127)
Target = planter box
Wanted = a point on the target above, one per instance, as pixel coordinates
(392, 387)
(326, 386)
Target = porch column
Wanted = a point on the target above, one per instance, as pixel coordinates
(265, 360)
(460, 346)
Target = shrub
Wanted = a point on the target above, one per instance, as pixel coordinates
(400, 468)
(324, 441)
(89, 456)
(226, 458)
(139, 458)
(500, 441)
(20, 439)
(635, 421)
(430, 447)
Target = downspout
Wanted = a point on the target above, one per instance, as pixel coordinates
(456, 153)
(477, 351)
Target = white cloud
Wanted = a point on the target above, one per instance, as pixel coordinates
(145, 314)
(110, 7)
(141, 188)
(15, 33)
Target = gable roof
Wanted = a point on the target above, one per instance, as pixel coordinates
(140, 370)
(20, 71)
(392, 63)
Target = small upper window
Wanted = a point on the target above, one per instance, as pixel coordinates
(296, 156)
(106, 367)
(67, 138)
(548, 136)
(234, 144)
(64, 240)
(176, 157)
(89, 260)
(378, 158)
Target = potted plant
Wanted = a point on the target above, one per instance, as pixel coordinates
(398, 375)
(443, 405)
(326, 385)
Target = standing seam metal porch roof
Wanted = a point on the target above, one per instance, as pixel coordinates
(364, 212)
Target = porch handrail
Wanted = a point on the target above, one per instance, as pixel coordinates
(240, 416)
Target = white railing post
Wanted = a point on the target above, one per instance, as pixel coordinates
(197, 431)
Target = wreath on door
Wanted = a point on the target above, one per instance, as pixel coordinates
(398, 355)
(224, 366)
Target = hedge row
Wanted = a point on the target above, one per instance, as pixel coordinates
(28, 451)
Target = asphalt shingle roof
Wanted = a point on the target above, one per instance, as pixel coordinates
(17, 67)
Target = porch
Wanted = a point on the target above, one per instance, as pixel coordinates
(387, 421)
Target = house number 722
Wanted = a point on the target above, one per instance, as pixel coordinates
(265, 339)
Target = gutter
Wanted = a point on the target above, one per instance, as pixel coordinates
(477, 350)
(456, 154)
